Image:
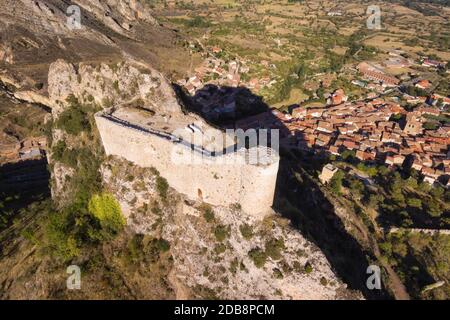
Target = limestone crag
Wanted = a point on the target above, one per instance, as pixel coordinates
(36, 33)
(122, 18)
(207, 266)
(111, 84)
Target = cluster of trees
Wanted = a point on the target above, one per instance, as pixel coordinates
(416, 92)
(420, 260)
(402, 200)
(81, 224)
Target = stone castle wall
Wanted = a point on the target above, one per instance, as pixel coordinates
(218, 180)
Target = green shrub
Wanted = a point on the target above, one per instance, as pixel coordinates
(336, 182)
(61, 153)
(277, 273)
(258, 257)
(106, 209)
(437, 192)
(433, 207)
(116, 86)
(208, 213)
(414, 203)
(221, 233)
(246, 231)
(234, 266)
(154, 171)
(61, 241)
(274, 248)
(156, 209)
(135, 249)
(308, 268)
(220, 248)
(162, 186)
(73, 120)
(58, 150)
(198, 22)
(236, 206)
(162, 245)
(154, 249)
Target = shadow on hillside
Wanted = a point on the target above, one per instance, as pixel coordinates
(23, 183)
(297, 197)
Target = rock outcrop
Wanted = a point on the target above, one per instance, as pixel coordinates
(232, 255)
(214, 256)
(111, 84)
(36, 33)
(215, 252)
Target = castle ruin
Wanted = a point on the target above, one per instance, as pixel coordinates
(170, 144)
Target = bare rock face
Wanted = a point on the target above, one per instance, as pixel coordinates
(111, 84)
(9, 146)
(6, 54)
(106, 85)
(118, 15)
(36, 33)
(215, 257)
(61, 81)
(53, 14)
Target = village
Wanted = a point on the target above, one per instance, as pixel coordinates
(375, 128)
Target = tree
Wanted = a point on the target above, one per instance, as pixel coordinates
(74, 119)
(356, 186)
(348, 155)
(437, 192)
(411, 183)
(336, 182)
(395, 188)
(414, 203)
(258, 256)
(433, 207)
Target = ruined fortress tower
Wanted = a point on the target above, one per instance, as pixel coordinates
(181, 147)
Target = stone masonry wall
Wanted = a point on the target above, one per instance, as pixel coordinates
(221, 180)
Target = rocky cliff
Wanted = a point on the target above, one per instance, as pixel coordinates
(171, 247)
(36, 33)
(217, 252)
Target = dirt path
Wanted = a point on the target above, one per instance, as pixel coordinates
(396, 285)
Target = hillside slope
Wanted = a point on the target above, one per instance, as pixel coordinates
(170, 247)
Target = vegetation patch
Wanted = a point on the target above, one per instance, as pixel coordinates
(274, 248)
(208, 213)
(258, 256)
(162, 186)
(222, 232)
(246, 231)
(107, 210)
